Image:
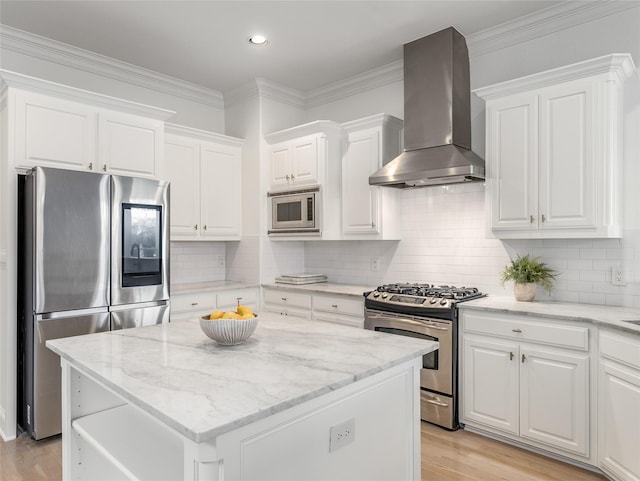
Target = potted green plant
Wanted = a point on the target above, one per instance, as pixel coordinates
(527, 272)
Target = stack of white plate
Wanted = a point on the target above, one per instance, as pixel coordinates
(301, 278)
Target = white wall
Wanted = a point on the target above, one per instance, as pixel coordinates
(443, 238)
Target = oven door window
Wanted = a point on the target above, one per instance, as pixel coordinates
(289, 211)
(142, 248)
(430, 360)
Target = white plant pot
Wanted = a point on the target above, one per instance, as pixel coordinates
(524, 292)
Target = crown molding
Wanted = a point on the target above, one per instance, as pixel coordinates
(32, 84)
(281, 93)
(199, 134)
(544, 22)
(327, 127)
(241, 93)
(371, 79)
(619, 66)
(36, 46)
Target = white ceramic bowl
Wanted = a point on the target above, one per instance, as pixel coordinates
(228, 332)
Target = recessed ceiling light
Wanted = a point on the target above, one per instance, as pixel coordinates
(259, 40)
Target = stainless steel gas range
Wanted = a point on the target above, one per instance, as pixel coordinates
(429, 312)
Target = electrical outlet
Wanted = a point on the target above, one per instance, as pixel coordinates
(342, 434)
(617, 276)
(374, 264)
(221, 261)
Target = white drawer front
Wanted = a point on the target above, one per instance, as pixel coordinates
(624, 348)
(287, 298)
(339, 304)
(527, 328)
(339, 319)
(201, 301)
(229, 299)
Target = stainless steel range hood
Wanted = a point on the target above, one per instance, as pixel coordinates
(437, 116)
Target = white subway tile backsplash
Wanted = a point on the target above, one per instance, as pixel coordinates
(445, 241)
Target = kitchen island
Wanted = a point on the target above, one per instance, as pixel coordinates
(298, 400)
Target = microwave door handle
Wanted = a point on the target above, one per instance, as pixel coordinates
(411, 321)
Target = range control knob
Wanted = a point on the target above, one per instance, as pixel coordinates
(384, 295)
(443, 302)
(376, 294)
(433, 300)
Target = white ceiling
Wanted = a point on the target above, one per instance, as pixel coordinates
(311, 43)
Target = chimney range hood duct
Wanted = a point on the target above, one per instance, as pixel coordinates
(437, 116)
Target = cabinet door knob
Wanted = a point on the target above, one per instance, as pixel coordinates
(543, 217)
(523, 357)
(510, 356)
(531, 218)
(335, 306)
(104, 167)
(292, 177)
(204, 227)
(373, 225)
(90, 165)
(287, 177)
(516, 330)
(195, 227)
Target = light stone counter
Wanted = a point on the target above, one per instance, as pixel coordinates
(200, 389)
(609, 316)
(213, 286)
(324, 288)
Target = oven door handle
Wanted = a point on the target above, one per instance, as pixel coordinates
(411, 321)
(437, 403)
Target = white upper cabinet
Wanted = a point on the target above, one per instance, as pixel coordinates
(554, 153)
(305, 156)
(131, 145)
(204, 170)
(370, 212)
(58, 126)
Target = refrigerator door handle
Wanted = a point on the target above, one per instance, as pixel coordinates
(66, 314)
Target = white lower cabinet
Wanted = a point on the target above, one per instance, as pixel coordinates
(190, 305)
(619, 405)
(287, 303)
(344, 310)
(528, 380)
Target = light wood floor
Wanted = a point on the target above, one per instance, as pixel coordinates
(446, 456)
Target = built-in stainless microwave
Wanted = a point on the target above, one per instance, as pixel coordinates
(295, 212)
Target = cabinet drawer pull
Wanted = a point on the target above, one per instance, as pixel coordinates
(373, 225)
(543, 217)
(292, 177)
(194, 303)
(283, 298)
(204, 227)
(104, 167)
(195, 227)
(90, 165)
(335, 306)
(531, 218)
(287, 177)
(517, 330)
(510, 356)
(523, 357)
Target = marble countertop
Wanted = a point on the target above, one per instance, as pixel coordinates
(324, 288)
(200, 389)
(610, 316)
(213, 286)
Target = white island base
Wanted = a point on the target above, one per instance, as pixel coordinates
(368, 430)
(300, 400)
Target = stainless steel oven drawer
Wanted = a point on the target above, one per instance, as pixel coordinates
(437, 409)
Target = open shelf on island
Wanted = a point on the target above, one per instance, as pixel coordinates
(133, 444)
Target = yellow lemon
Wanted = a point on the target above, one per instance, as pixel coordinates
(247, 316)
(215, 315)
(230, 315)
(244, 310)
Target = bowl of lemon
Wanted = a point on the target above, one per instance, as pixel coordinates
(230, 328)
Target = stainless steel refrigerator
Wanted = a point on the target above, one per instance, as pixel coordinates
(93, 257)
